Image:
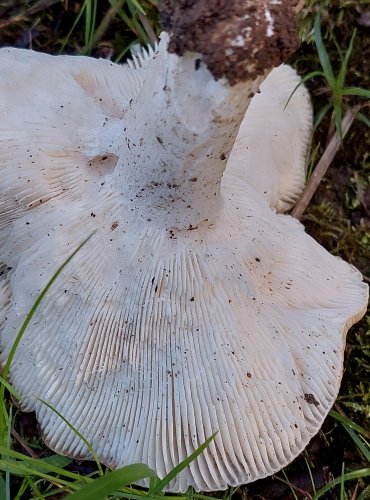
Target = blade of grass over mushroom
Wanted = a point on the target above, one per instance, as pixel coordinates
(105, 485)
(159, 486)
(91, 449)
(27, 322)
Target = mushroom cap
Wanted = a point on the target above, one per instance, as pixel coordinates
(151, 340)
(271, 148)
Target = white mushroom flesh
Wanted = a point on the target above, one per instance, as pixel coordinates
(182, 315)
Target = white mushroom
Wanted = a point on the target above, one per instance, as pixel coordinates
(194, 307)
(271, 147)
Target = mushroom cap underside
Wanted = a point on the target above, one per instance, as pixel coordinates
(149, 342)
(153, 339)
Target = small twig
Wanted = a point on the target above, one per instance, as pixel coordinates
(354, 496)
(324, 163)
(23, 444)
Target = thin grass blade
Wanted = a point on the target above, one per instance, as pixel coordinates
(344, 66)
(85, 441)
(365, 495)
(76, 21)
(321, 115)
(363, 118)
(113, 481)
(358, 474)
(307, 77)
(134, 5)
(361, 445)
(338, 119)
(38, 465)
(10, 388)
(181, 466)
(347, 422)
(358, 91)
(321, 50)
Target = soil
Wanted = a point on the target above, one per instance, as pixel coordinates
(213, 28)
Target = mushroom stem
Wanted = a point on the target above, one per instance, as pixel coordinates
(182, 127)
(179, 134)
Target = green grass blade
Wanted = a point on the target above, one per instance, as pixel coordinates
(181, 466)
(39, 465)
(35, 489)
(190, 494)
(337, 46)
(85, 441)
(112, 481)
(23, 470)
(363, 118)
(2, 487)
(134, 5)
(358, 474)
(78, 17)
(294, 494)
(8, 444)
(321, 115)
(310, 474)
(304, 80)
(321, 50)
(365, 495)
(88, 26)
(124, 51)
(90, 22)
(338, 119)
(344, 66)
(347, 422)
(57, 460)
(341, 493)
(362, 447)
(10, 388)
(358, 91)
